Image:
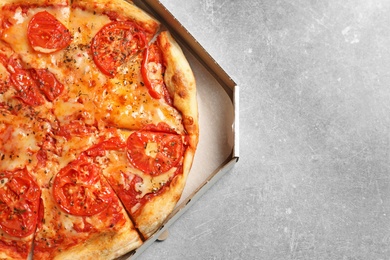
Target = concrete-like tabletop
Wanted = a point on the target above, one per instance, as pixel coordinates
(313, 180)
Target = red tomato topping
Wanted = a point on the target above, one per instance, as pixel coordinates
(25, 85)
(154, 152)
(46, 146)
(46, 34)
(4, 60)
(27, 89)
(32, 85)
(75, 128)
(152, 70)
(47, 83)
(41, 214)
(19, 203)
(114, 45)
(79, 189)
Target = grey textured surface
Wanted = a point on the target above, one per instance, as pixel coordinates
(313, 178)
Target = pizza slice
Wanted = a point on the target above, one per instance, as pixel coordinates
(82, 216)
(150, 174)
(19, 207)
(180, 83)
(146, 174)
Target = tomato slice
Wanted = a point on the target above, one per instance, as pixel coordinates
(47, 83)
(154, 152)
(46, 34)
(19, 203)
(32, 85)
(4, 60)
(115, 44)
(152, 70)
(79, 189)
(75, 128)
(26, 87)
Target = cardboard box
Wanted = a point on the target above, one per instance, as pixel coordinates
(218, 103)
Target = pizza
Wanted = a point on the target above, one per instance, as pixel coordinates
(98, 128)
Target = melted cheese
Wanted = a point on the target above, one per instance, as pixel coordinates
(16, 35)
(85, 25)
(65, 109)
(151, 149)
(3, 182)
(19, 17)
(152, 184)
(73, 147)
(17, 144)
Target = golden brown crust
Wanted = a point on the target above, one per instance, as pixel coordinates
(153, 214)
(181, 84)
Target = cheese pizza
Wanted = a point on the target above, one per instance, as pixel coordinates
(98, 128)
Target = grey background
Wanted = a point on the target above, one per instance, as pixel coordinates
(313, 177)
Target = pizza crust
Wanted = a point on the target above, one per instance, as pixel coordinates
(181, 84)
(152, 215)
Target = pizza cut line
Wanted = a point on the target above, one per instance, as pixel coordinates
(98, 128)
